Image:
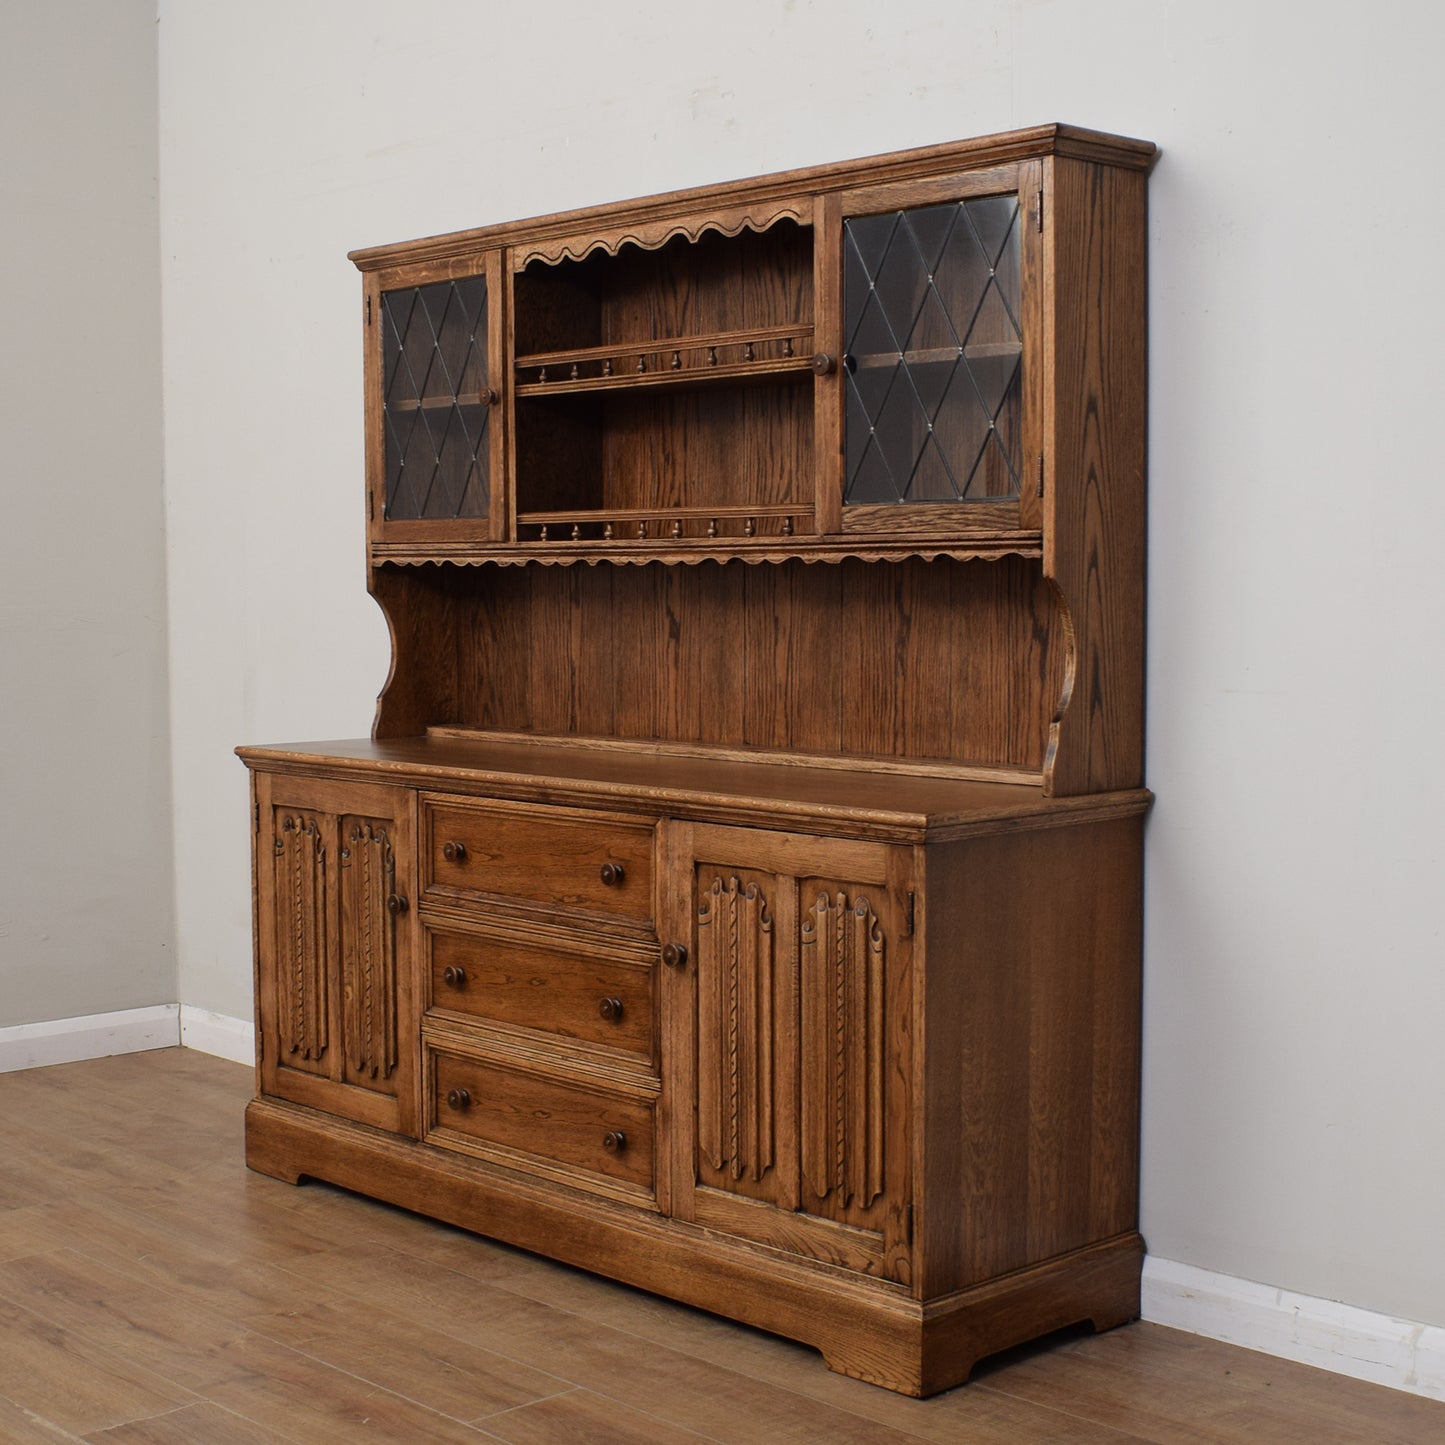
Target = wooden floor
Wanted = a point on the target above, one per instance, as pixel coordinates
(152, 1290)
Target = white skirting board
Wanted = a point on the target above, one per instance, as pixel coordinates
(218, 1034)
(1319, 1332)
(92, 1036)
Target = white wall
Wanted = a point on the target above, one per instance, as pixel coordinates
(1294, 1131)
(86, 909)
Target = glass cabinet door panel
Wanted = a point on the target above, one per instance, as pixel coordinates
(435, 400)
(933, 353)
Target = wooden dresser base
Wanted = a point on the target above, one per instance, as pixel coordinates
(865, 1328)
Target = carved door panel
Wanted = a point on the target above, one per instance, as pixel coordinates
(333, 948)
(791, 1008)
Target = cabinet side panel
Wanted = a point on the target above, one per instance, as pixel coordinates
(1031, 1075)
(1095, 415)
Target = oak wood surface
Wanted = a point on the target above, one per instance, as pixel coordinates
(818, 800)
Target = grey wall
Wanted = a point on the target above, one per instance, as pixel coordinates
(86, 888)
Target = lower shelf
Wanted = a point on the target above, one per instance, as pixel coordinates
(866, 1328)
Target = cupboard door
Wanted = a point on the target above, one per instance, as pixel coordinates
(793, 1008)
(333, 948)
(434, 399)
(933, 413)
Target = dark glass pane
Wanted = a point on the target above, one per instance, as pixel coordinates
(934, 353)
(436, 418)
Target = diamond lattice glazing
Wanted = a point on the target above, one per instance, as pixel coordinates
(435, 400)
(933, 353)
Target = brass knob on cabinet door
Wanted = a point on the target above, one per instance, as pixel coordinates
(615, 1141)
(454, 976)
(824, 364)
(396, 903)
(612, 875)
(674, 955)
(611, 1010)
(490, 396)
(459, 1099)
(454, 852)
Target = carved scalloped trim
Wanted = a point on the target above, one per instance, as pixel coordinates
(650, 237)
(1030, 551)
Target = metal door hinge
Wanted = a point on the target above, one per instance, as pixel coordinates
(1041, 474)
(1039, 209)
(909, 911)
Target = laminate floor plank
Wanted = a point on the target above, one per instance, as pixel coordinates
(681, 1389)
(154, 1292)
(203, 1424)
(65, 1380)
(581, 1415)
(19, 1426)
(452, 1376)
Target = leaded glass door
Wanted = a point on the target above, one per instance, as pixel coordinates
(435, 423)
(933, 397)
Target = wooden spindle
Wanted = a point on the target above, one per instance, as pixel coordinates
(787, 526)
(748, 351)
(607, 532)
(749, 527)
(574, 371)
(576, 532)
(676, 360)
(712, 356)
(543, 537)
(607, 367)
(642, 529)
(712, 526)
(542, 374)
(677, 528)
(787, 346)
(641, 365)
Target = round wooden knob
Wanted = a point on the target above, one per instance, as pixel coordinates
(396, 903)
(611, 1010)
(612, 875)
(490, 396)
(824, 364)
(615, 1141)
(459, 1099)
(454, 852)
(674, 955)
(454, 976)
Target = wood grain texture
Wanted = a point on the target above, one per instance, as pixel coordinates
(1094, 513)
(941, 661)
(1031, 1092)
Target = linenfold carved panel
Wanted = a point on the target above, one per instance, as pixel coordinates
(842, 950)
(301, 942)
(735, 1028)
(368, 950)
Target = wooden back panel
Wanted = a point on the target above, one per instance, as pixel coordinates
(940, 660)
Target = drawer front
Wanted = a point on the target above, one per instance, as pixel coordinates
(575, 994)
(603, 1134)
(595, 865)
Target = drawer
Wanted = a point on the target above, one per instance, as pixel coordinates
(541, 855)
(543, 1119)
(536, 986)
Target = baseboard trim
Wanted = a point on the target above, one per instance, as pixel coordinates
(90, 1036)
(1350, 1341)
(218, 1034)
